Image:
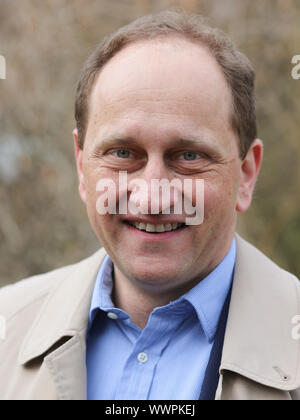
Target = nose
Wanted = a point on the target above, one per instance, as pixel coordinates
(152, 191)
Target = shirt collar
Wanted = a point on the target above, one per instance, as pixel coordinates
(101, 298)
(207, 297)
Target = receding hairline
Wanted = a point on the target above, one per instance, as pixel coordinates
(172, 39)
(168, 38)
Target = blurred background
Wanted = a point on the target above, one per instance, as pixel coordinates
(43, 224)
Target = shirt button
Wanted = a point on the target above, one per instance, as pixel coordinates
(112, 315)
(142, 357)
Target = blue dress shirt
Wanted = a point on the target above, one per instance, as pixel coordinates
(166, 360)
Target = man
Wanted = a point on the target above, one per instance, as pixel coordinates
(166, 309)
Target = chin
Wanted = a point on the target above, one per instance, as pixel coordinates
(150, 278)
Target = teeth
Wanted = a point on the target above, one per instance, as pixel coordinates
(156, 228)
(150, 228)
(159, 228)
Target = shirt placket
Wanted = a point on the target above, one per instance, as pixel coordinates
(138, 372)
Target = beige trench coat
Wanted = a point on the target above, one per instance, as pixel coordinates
(42, 347)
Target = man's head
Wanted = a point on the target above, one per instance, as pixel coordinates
(167, 97)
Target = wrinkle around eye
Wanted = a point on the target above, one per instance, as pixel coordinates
(189, 167)
(200, 166)
(117, 164)
(190, 171)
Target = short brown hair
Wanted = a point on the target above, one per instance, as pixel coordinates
(236, 67)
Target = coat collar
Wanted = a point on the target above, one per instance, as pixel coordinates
(258, 340)
(65, 311)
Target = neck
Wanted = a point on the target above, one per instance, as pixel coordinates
(140, 303)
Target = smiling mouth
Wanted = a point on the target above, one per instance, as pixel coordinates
(156, 228)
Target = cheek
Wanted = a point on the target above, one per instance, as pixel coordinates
(94, 176)
(220, 199)
(97, 177)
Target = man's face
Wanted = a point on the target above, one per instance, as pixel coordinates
(161, 109)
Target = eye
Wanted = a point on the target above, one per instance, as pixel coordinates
(122, 153)
(190, 155)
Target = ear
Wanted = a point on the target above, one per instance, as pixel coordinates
(249, 172)
(79, 156)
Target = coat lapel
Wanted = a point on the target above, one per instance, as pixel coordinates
(58, 334)
(66, 366)
(258, 341)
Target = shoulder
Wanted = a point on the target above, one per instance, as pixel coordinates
(16, 297)
(259, 279)
(254, 262)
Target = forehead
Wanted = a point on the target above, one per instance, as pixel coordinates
(162, 78)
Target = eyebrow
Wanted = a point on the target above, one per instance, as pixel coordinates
(112, 140)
